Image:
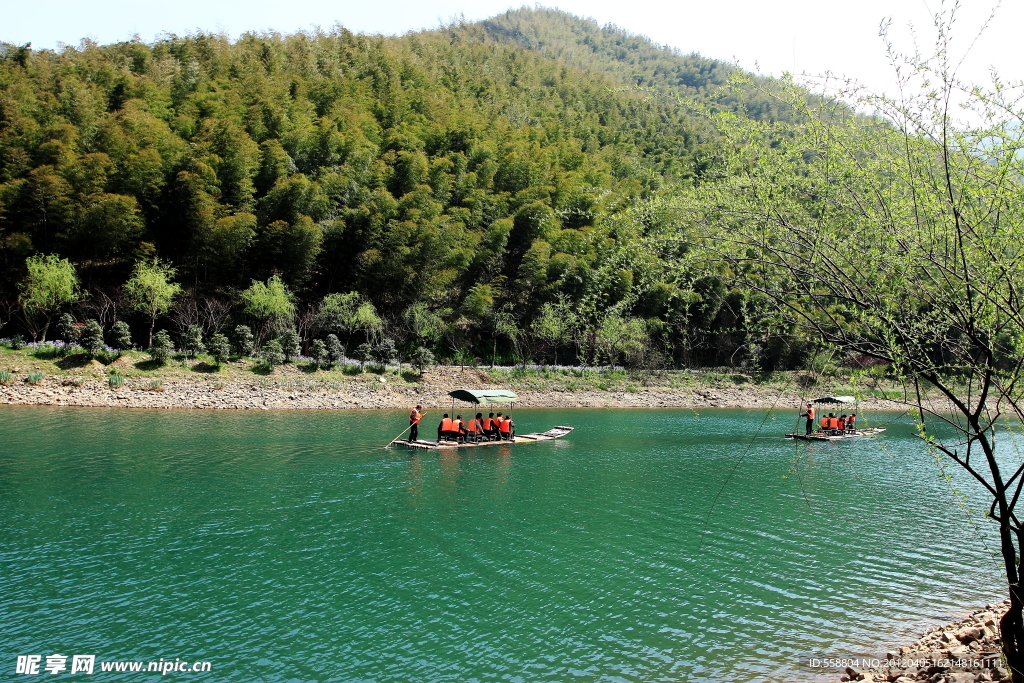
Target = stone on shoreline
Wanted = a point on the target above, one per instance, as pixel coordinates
(962, 651)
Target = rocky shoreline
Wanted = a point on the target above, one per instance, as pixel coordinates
(252, 396)
(431, 391)
(961, 651)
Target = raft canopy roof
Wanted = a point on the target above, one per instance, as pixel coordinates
(836, 399)
(486, 397)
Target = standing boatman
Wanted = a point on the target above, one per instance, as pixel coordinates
(414, 423)
(810, 418)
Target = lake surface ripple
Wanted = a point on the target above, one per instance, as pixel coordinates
(658, 545)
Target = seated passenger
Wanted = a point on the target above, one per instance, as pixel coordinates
(447, 429)
(460, 428)
(505, 428)
(475, 431)
(489, 426)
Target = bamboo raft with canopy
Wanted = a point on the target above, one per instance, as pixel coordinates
(833, 435)
(484, 397)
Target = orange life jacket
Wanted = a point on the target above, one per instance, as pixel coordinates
(833, 423)
(460, 426)
(447, 425)
(415, 416)
(474, 426)
(824, 423)
(850, 421)
(487, 423)
(810, 413)
(505, 425)
(842, 424)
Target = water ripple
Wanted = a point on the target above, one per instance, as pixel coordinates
(289, 547)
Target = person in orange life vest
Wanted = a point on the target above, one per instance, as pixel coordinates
(476, 428)
(832, 422)
(810, 418)
(851, 422)
(460, 427)
(505, 428)
(490, 428)
(447, 428)
(841, 424)
(414, 423)
(824, 422)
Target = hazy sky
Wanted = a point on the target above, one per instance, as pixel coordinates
(769, 36)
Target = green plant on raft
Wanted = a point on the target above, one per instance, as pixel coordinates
(115, 381)
(35, 378)
(5, 377)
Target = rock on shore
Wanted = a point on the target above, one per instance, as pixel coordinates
(962, 651)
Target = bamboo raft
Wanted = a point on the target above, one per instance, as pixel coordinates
(820, 436)
(434, 445)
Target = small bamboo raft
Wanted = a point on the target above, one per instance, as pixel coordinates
(434, 445)
(821, 436)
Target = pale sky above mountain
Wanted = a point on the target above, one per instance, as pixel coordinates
(768, 37)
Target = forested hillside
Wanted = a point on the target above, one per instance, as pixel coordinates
(472, 185)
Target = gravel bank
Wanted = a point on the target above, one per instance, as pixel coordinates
(431, 391)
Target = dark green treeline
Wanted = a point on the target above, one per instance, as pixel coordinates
(473, 172)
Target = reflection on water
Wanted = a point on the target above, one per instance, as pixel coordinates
(646, 546)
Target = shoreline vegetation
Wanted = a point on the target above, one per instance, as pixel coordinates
(41, 375)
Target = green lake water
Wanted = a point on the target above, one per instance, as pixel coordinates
(648, 545)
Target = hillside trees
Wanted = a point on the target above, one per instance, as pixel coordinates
(416, 171)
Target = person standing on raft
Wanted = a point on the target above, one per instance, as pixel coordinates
(810, 419)
(414, 423)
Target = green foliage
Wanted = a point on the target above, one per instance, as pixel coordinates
(384, 352)
(349, 313)
(5, 377)
(34, 378)
(66, 331)
(17, 342)
(192, 341)
(120, 336)
(271, 354)
(244, 341)
(318, 352)
(51, 282)
(155, 385)
(219, 348)
(150, 291)
(162, 347)
(92, 338)
(291, 344)
(422, 357)
(364, 353)
(115, 380)
(270, 303)
(335, 351)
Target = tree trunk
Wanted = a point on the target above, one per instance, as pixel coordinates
(152, 324)
(1011, 626)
